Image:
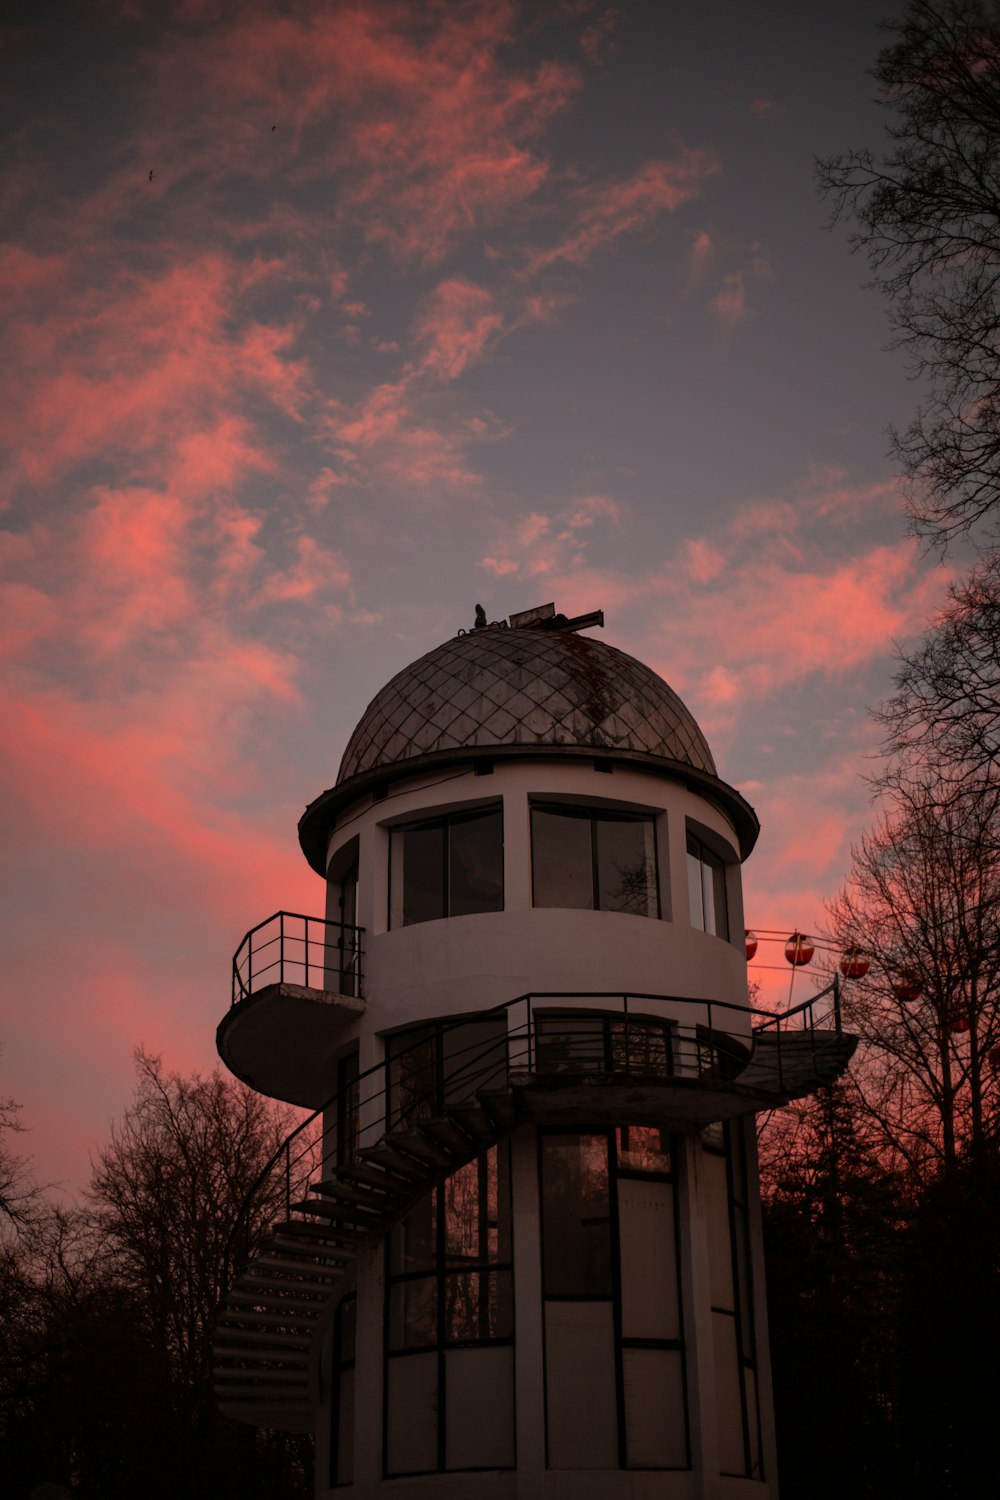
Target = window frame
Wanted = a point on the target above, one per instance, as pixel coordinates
(444, 821)
(439, 1270)
(615, 1138)
(595, 813)
(711, 853)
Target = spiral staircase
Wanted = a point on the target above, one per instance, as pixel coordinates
(280, 1302)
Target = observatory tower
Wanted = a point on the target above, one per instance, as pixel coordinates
(528, 1260)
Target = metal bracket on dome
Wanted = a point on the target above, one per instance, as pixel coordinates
(544, 617)
(578, 622)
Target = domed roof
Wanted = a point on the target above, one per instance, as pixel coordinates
(496, 688)
(526, 690)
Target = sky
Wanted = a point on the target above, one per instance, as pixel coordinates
(324, 322)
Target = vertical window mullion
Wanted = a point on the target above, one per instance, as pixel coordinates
(616, 1298)
(595, 873)
(446, 867)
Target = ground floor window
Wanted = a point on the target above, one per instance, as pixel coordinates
(725, 1175)
(615, 1395)
(449, 1326)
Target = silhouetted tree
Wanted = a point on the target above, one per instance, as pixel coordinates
(944, 716)
(923, 900)
(832, 1213)
(109, 1310)
(927, 217)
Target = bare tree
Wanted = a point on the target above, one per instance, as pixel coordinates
(165, 1193)
(923, 899)
(927, 217)
(945, 712)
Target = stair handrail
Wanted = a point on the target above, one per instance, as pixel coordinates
(282, 1155)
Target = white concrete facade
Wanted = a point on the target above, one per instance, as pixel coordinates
(456, 966)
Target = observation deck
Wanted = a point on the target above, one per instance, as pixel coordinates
(296, 982)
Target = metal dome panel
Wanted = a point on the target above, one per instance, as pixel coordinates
(524, 687)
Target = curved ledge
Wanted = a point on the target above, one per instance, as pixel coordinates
(280, 1040)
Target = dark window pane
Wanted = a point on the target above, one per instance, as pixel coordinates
(562, 859)
(643, 1148)
(640, 1047)
(576, 1224)
(570, 1044)
(413, 1241)
(476, 863)
(412, 1075)
(478, 1305)
(413, 1314)
(474, 1056)
(626, 865)
(477, 1210)
(464, 1211)
(421, 854)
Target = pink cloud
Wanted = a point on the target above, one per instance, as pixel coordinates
(455, 326)
(138, 366)
(729, 302)
(608, 210)
(699, 256)
(435, 133)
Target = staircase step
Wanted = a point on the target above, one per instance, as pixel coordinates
(287, 1303)
(451, 1137)
(347, 1213)
(359, 1195)
(275, 1275)
(231, 1340)
(389, 1155)
(328, 1234)
(242, 1317)
(319, 1254)
(472, 1119)
(419, 1145)
(249, 1379)
(312, 1269)
(360, 1174)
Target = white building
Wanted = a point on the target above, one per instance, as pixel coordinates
(532, 1266)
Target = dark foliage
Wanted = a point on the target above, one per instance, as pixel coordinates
(927, 217)
(108, 1313)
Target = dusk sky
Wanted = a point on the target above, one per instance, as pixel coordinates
(325, 321)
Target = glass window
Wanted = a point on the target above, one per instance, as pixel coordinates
(444, 1063)
(446, 867)
(591, 859)
(614, 1350)
(707, 888)
(576, 1216)
(449, 1292)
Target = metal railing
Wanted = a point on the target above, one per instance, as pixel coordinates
(543, 1035)
(290, 948)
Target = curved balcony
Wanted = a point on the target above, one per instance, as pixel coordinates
(297, 982)
(446, 1092)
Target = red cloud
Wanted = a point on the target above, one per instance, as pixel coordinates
(455, 326)
(605, 211)
(428, 126)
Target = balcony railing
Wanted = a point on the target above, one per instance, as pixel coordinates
(620, 1038)
(290, 948)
